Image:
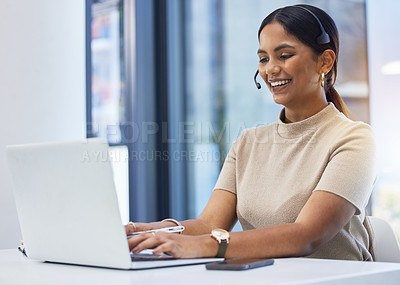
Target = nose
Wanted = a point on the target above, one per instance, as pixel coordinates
(272, 68)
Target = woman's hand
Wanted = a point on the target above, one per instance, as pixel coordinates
(138, 227)
(179, 246)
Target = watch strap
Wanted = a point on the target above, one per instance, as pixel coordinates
(222, 246)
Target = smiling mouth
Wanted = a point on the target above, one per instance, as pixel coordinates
(280, 83)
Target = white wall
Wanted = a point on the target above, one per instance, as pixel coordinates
(42, 84)
(383, 48)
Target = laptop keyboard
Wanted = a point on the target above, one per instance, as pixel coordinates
(146, 255)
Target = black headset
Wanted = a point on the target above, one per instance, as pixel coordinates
(322, 39)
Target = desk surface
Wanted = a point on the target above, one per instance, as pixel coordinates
(16, 269)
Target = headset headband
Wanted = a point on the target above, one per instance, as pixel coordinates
(323, 38)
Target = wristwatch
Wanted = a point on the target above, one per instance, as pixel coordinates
(222, 237)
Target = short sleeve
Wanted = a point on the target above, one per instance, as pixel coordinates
(227, 177)
(351, 169)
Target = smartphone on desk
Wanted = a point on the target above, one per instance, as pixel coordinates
(239, 264)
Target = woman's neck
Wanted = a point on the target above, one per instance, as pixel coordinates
(298, 114)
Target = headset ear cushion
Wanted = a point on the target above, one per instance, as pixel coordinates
(323, 39)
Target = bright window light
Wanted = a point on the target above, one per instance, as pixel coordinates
(392, 67)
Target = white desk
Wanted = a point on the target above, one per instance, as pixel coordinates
(16, 269)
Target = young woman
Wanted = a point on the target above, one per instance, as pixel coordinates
(299, 187)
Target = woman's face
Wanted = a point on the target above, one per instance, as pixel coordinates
(289, 68)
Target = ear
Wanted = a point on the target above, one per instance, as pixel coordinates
(326, 60)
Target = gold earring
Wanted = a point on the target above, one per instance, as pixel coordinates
(322, 80)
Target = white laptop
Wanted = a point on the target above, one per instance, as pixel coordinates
(68, 208)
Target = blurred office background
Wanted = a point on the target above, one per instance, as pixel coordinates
(170, 84)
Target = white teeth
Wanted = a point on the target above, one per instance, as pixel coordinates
(279, 83)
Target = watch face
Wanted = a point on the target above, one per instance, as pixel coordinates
(220, 233)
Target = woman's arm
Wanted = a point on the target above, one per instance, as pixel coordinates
(220, 212)
(320, 220)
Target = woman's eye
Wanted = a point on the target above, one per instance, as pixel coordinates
(286, 56)
(264, 60)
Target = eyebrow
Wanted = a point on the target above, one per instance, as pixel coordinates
(276, 49)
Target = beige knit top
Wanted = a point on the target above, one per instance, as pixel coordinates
(274, 169)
